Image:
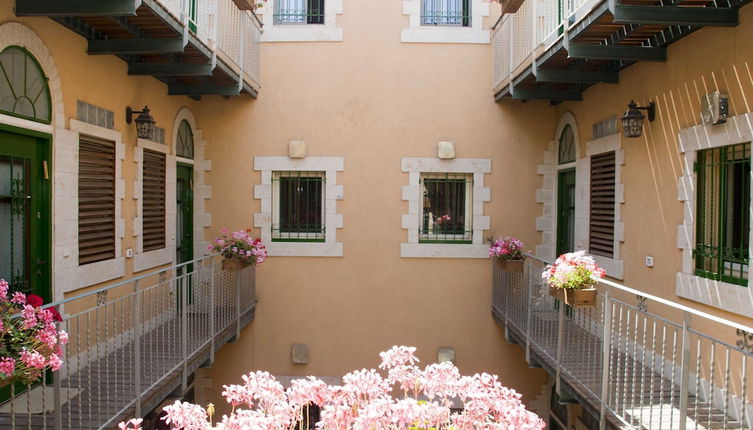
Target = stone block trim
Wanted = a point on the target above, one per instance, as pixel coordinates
(332, 193)
(729, 297)
(69, 276)
(416, 33)
(329, 32)
(412, 194)
(158, 257)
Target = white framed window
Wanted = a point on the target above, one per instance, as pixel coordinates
(308, 227)
(445, 21)
(453, 189)
(704, 279)
(301, 21)
(446, 214)
(298, 206)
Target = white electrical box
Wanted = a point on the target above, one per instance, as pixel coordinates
(649, 261)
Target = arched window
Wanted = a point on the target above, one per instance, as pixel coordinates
(23, 86)
(567, 146)
(185, 140)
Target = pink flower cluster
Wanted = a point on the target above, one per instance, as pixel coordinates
(240, 246)
(574, 270)
(444, 219)
(508, 248)
(364, 401)
(31, 343)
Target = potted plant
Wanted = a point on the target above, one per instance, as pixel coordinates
(572, 278)
(509, 254)
(29, 340)
(239, 249)
(443, 223)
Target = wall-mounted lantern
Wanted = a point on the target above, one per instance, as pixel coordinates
(632, 121)
(144, 122)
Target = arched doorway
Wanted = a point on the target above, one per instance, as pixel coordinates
(566, 154)
(184, 150)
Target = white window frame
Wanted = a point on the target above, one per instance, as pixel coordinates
(276, 175)
(157, 257)
(416, 32)
(303, 32)
(733, 298)
(413, 194)
(66, 173)
(267, 165)
(468, 209)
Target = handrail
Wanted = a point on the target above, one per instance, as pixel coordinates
(129, 280)
(657, 299)
(498, 21)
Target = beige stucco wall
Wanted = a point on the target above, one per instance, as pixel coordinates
(372, 100)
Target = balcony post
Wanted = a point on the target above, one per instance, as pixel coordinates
(560, 346)
(512, 50)
(606, 357)
(685, 370)
(183, 285)
(212, 329)
(238, 284)
(137, 348)
(57, 387)
(529, 315)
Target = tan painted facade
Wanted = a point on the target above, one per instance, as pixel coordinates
(373, 100)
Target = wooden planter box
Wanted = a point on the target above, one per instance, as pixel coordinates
(233, 265)
(514, 266)
(578, 298)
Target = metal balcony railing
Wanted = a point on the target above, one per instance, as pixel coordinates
(633, 360)
(133, 343)
(233, 33)
(536, 26)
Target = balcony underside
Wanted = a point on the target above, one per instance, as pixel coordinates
(610, 37)
(151, 40)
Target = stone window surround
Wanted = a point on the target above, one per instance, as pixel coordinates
(327, 32)
(333, 192)
(158, 257)
(729, 297)
(66, 217)
(417, 33)
(202, 192)
(412, 194)
(547, 223)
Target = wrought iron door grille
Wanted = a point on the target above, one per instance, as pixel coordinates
(446, 12)
(15, 212)
(723, 218)
(298, 206)
(446, 208)
(299, 12)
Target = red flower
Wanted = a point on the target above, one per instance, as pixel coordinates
(34, 300)
(55, 314)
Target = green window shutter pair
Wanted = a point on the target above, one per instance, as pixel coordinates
(723, 213)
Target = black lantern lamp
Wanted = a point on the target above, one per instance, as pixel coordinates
(632, 121)
(144, 122)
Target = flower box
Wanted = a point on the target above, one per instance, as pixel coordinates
(233, 265)
(584, 297)
(513, 266)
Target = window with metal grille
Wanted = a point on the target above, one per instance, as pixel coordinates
(601, 218)
(298, 206)
(299, 12)
(446, 12)
(446, 208)
(96, 200)
(153, 201)
(723, 213)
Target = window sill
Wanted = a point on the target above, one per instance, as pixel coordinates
(446, 34)
(722, 295)
(302, 33)
(443, 250)
(305, 249)
(151, 259)
(95, 273)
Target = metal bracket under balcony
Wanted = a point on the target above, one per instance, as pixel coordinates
(591, 46)
(158, 38)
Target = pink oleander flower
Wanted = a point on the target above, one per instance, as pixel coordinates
(54, 362)
(186, 416)
(19, 298)
(3, 290)
(240, 245)
(508, 248)
(29, 315)
(573, 270)
(33, 359)
(132, 424)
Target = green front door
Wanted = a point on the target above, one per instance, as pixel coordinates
(184, 223)
(565, 211)
(25, 209)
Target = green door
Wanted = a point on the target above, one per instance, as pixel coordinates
(565, 211)
(25, 246)
(184, 223)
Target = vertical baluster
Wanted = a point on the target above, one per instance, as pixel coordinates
(727, 372)
(744, 387)
(685, 370)
(698, 375)
(653, 375)
(137, 347)
(606, 356)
